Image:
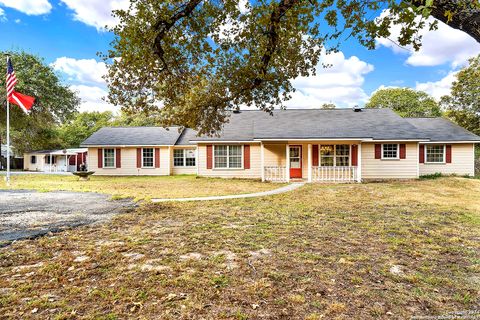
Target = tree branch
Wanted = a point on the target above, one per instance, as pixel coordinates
(162, 26)
(272, 34)
(465, 14)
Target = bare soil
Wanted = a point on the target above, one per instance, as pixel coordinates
(29, 214)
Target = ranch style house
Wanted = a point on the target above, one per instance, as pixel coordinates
(339, 145)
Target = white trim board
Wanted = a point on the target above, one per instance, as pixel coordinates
(129, 146)
(449, 142)
(225, 142)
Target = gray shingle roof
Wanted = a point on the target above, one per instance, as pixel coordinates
(441, 129)
(133, 136)
(381, 124)
(377, 124)
(187, 136)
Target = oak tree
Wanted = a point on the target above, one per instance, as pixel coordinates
(193, 60)
(83, 125)
(54, 104)
(328, 106)
(463, 103)
(406, 102)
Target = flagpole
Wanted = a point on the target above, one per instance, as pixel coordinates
(8, 135)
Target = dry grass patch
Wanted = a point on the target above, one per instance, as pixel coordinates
(320, 252)
(141, 187)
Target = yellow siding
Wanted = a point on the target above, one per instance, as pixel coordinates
(28, 166)
(275, 155)
(253, 172)
(184, 170)
(389, 169)
(462, 162)
(129, 163)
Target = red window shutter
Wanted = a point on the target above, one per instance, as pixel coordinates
(403, 151)
(421, 156)
(246, 156)
(354, 155)
(118, 157)
(315, 155)
(100, 158)
(448, 157)
(209, 156)
(139, 157)
(378, 151)
(157, 157)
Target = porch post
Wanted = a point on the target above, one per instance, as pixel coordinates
(287, 165)
(262, 160)
(359, 163)
(310, 162)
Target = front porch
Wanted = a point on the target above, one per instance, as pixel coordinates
(315, 161)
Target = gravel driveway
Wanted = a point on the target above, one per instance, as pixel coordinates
(28, 214)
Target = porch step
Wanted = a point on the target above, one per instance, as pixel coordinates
(298, 180)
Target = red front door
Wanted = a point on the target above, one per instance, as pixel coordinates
(295, 162)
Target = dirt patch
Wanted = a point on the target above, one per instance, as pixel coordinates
(29, 214)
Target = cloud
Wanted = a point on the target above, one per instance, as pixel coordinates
(340, 84)
(92, 99)
(444, 45)
(82, 70)
(85, 76)
(96, 13)
(30, 7)
(439, 88)
(436, 89)
(231, 27)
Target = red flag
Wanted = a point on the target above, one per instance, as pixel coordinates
(23, 101)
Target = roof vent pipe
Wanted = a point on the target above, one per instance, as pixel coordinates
(356, 108)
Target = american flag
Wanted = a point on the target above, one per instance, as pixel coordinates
(11, 78)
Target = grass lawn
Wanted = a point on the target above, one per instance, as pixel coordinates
(141, 187)
(364, 251)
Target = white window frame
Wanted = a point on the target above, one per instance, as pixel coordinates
(228, 157)
(185, 158)
(153, 159)
(114, 158)
(31, 159)
(444, 161)
(334, 155)
(391, 158)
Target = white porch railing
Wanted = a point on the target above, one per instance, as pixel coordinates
(334, 174)
(319, 174)
(275, 173)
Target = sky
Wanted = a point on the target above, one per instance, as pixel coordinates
(69, 34)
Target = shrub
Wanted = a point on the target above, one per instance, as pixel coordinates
(435, 175)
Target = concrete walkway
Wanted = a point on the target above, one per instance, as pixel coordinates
(284, 189)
